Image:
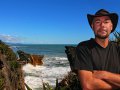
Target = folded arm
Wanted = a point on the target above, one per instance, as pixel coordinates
(108, 77)
(90, 81)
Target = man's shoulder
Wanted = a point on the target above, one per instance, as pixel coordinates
(116, 45)
(86, 44)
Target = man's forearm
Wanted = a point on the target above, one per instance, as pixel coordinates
(113, 78)
(99, 84)
(89, 82)
(108, 77)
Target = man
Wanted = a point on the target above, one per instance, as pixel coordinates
(98, 59)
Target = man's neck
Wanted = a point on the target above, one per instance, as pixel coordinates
(102, 42)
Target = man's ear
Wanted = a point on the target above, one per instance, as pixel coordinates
(111, 27)
(92, 25)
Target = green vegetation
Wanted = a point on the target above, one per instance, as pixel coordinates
(14, 65)
(70, 82)
(2, 81)
(11, 75)
(28, 88)
(117, 37)
(10, 55)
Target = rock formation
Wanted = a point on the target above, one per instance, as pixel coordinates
(36, 59)
(71, 55)
(30, 58)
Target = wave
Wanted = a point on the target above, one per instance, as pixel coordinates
(56, 58)
(35, 75)
(55, 61)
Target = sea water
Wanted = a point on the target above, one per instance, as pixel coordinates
(55, 64)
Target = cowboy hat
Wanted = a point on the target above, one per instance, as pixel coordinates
(102, 12)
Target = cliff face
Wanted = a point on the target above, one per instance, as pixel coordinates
(11, 75)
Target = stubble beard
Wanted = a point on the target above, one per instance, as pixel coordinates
(102, 36)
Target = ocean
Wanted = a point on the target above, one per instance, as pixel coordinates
(55, 64)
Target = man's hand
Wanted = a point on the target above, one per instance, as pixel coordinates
(89, 82)
(99, 74)
(108, 77)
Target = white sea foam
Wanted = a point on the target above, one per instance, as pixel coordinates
(56, 58)
(56, 61)
(35, 75)
(17, 46)
(60, 58)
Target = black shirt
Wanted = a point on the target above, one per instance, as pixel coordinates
(91, 56)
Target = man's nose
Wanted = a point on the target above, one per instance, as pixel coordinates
(102, 24)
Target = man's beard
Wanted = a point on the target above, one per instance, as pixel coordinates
(102, 37)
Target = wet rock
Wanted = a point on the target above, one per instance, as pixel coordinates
(36, 59)
(71, 55)
(30, 58)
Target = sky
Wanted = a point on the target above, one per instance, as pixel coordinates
(50, 21)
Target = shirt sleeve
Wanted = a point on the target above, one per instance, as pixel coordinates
(83, 59)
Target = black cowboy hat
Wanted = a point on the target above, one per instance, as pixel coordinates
(102, 12)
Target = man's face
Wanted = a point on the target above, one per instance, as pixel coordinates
(102, 26)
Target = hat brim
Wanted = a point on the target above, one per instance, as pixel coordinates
(113, 17)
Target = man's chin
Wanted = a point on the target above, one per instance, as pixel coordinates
(102, 37)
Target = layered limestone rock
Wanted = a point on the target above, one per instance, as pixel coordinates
(36, 59)
(30, 58)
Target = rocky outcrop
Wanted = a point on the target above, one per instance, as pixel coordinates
(11, 74)
(30, 58)
(23, 56)
(71, 55)
(36, 59)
